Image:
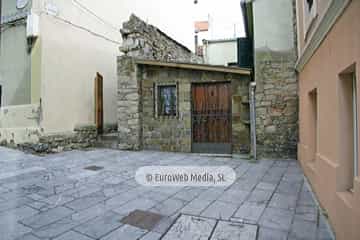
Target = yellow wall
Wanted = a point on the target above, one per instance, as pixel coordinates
(73, 46)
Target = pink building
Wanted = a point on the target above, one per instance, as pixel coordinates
(328, 75)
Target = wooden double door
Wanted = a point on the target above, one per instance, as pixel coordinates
(211, 118)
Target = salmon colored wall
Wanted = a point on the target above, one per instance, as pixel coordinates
(339, 50)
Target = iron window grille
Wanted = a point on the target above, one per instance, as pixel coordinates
(167, 100)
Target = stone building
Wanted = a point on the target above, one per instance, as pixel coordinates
(168, 101)
(271, 25)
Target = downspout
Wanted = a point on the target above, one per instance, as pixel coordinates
(252, 88)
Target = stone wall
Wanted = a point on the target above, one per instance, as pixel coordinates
(174, 133)
(144, 41)
(128, 104)
(277, 88)
(276, 104)
(84, 136)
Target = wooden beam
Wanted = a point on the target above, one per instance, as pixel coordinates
(202, 67)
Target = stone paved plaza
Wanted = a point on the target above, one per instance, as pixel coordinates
(54, 197)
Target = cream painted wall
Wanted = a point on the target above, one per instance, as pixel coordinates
(221, 53)
(74, 46)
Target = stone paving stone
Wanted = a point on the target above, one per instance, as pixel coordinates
(11, 174)
(188, 194)
(151, 236)
(168, 207)
(244, 185)
(28, 237)
(250, 211)
(12, 230)
(306, 199)
(307, 213)
(139, 203)
(115, 186)
(17, 214)
(8, 205)
(259, 196)
(276, 218)
(234, 231)
(196, 206)
(189, 227)
(211, 194)
(100, 226)
(86, 201)
(324, 234)
(293, 178)
(125, 232)
(72, 236)
(156, 196)
(271, 234)
(303, 230)
(266, 186)
(55, 229)
(234, 197)
(283, 201)
(219, 210)
(164, 224)
(47, 217)
(288, 188)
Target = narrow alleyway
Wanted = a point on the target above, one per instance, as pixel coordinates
(55, 197)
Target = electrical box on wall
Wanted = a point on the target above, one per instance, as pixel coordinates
(32, 26)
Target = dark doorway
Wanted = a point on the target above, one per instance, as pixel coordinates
(211, 118)
(99, 103)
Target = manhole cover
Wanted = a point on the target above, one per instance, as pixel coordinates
(191, 227)
(142, 219)
(94, 168)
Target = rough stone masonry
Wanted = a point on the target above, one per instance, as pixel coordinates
(145, 41)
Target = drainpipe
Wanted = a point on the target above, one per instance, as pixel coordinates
(252, 120)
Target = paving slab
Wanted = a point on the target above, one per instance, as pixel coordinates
(234, 231)
(188, 227)
(50, 197)
(47, 217)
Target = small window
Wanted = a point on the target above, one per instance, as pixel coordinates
(349, 129)
(310, 4)
(310, 13)
(167, 100)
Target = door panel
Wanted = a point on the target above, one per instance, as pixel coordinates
(211, 117)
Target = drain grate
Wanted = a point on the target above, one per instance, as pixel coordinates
(142, 219)
(94, 168)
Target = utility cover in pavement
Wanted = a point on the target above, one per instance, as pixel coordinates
(94, 168)
(234, 231)
(190, 227)
(142, 219)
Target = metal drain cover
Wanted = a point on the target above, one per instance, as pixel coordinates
(94, 168)
(142, 219)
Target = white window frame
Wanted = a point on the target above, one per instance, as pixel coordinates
(309, 16)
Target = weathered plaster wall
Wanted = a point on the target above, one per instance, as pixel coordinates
(19, 124)
(276, 90)
(14, 57)
(220, 52)
(73, 46)
(142, 40)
